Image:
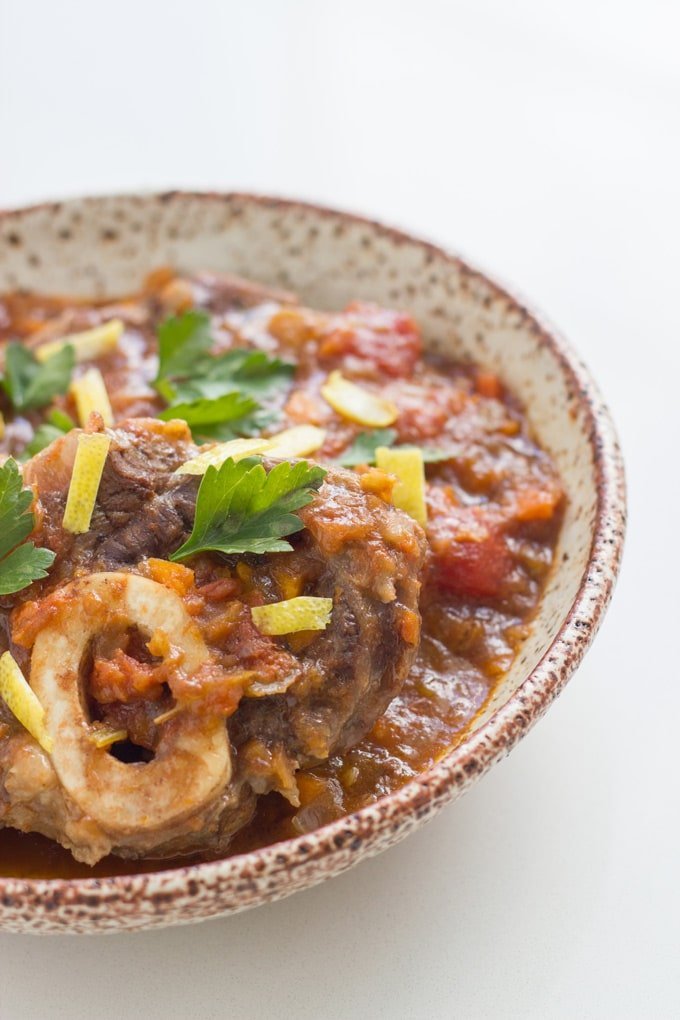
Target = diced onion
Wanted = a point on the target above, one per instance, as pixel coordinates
(302, 613)
(89, 344)
(216, 455)
(22, 701)
(105, 736)
(299, 441)
(357, 404)
(89, 393)
(87, 472)
(409, 492)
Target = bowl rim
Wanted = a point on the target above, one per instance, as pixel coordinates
(500, 733)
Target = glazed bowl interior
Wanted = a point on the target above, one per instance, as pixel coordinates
(103, 247)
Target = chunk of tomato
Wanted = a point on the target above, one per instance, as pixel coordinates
(477, 569)
(470, 555)
(378, 340)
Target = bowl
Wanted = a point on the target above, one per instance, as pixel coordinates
(102, 246)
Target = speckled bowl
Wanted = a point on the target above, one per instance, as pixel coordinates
(103, 246)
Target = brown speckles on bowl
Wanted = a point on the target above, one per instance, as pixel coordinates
(102, 246)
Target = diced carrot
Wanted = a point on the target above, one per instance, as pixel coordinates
(158, 278)
(487, 384)
(409, 626)
(177, 296)
(292, 326)
(290, 583)
(536, 504)
(172, 575)
(245, 572)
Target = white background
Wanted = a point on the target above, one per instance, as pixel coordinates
(542, 140)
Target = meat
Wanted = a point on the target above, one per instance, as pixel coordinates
(366, 551)
(141, 509)
(249, 710)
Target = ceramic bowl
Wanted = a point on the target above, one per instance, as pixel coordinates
(103, 246)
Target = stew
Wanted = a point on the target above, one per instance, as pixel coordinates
(315, 675)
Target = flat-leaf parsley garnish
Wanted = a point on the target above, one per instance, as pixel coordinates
(21, 562)
(183, 342)
(218, 420)
(190, 379)
(362, 450)
(240, 508)
(30, 383)
(253, 373)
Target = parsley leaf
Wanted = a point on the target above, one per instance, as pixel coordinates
(20, 565)
(61, 420)
(362, 450)
(24, 565)
(431, 454)
(183, 342)
(252, 373)
(241, 509)
(30, 383)
(220, 419)
(188, 371)
(190, 378)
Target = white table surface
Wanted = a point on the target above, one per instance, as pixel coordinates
(542, 140)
